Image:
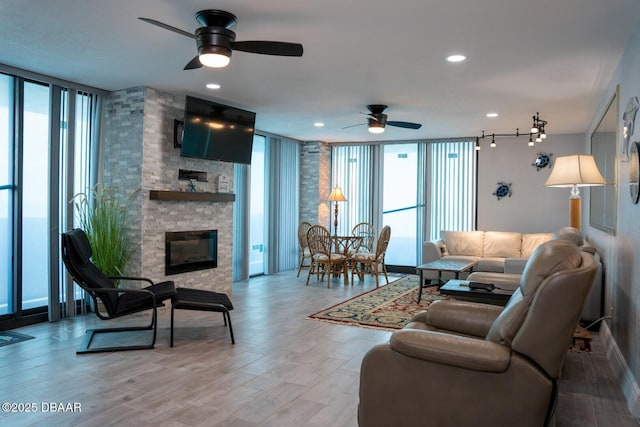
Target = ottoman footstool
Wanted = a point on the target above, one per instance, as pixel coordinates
(197, 299)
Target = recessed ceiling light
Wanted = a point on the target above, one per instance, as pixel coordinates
(213, 86)
(318, 124)
(456, 58)
(492, 114)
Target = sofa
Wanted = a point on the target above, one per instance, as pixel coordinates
(501, 257)
(494, 251)
(470, 364)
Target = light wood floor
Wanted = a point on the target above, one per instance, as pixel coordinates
(284, 369)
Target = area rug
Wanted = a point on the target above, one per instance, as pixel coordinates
(388, 307)
(8, 337)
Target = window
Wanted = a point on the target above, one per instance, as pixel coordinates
(48, 140)
(416, 188)
(6, 191)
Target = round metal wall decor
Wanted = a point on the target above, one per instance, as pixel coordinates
(629, 119)
(503, 190)
(634, 171)
(542, 161)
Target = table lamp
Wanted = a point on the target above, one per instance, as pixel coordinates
(578, 170)
(336, 196)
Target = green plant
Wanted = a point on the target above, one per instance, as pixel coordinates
(103, 218)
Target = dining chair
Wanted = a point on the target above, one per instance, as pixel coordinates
(303, 228)
(367, 234)
(372, 263)
(323, 259)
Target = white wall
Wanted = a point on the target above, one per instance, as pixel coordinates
(621, 251)
(532, 207)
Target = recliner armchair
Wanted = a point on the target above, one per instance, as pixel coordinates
(471, 364)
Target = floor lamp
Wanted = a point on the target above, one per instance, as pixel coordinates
(336, 196)
(578, 170)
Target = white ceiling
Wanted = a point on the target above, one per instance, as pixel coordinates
(523, 56)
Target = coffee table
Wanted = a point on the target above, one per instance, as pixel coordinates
(440, 265)
(459, 289)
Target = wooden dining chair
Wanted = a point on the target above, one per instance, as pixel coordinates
(303, 228)
(367, 234)
(372, 263)
(323, 259)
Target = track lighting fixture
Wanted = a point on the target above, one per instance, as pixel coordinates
(537, 132)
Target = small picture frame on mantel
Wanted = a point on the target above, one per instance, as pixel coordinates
(224, 184)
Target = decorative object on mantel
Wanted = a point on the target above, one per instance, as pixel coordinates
(537, 131)
(224, 184)
(189, 174)
(503, 190)
(192, 186)
(543, 160)
(629, 118)
(634, 171)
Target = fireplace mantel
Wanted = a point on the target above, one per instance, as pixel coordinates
(191, 196)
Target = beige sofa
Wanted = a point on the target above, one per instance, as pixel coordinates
(501, 259)
(494, 251)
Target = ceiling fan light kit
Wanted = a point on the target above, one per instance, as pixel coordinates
(377, 120)
(216, 41)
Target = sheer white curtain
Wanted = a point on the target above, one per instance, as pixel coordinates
(283, 204)
(451, 187)
(446, 188)
(352, 170)
(282, 165)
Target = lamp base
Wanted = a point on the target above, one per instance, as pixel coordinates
(575, 208)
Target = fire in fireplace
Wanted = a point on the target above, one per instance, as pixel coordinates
(190, 251)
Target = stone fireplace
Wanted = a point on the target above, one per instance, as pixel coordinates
(139, 154)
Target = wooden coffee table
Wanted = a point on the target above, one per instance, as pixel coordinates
(440, 265)
(459, 289)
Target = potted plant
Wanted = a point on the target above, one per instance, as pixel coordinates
(103, 219)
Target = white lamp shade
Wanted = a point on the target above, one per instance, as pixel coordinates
(577, 170)
(337, 195)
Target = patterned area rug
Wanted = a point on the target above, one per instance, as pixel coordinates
(388, 307)
(7, 338)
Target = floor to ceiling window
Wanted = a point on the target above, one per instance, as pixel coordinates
(48, 136)
(400, 202)
(266, 209)
(35, 196)
(6, 192)
(256, 207)
(416, 188)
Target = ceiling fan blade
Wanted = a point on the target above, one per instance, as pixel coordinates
(407, 125)
(167, 27)
(370, 115)
(193, 64)
(352, 126)
(269, 48)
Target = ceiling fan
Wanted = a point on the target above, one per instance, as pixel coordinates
(216, 40)
(377, 120)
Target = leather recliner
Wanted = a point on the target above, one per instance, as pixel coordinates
(471, 364)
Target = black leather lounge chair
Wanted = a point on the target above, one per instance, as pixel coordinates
(117, 302)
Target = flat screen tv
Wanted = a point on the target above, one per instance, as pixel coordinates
(217, 132)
